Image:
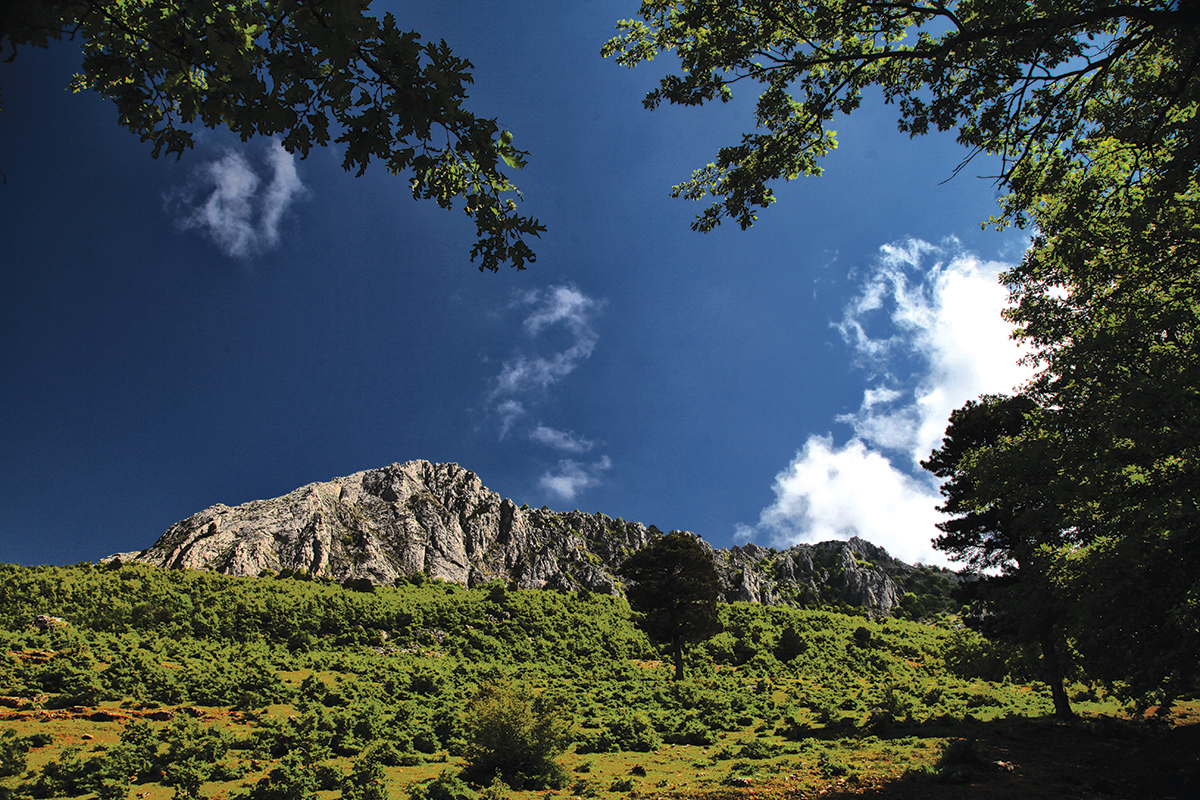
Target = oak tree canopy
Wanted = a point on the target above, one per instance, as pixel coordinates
(1014, 78)
(311, 72)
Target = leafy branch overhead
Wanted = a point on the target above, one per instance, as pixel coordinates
(1016, 79)
(309, 71)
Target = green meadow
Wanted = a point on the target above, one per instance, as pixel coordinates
(162, 684)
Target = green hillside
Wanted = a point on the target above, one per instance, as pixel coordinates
(156, 683)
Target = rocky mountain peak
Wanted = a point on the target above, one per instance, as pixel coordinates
(440, 520)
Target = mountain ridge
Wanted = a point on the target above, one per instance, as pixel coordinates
(390, 523)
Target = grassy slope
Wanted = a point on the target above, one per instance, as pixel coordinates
(286, 666)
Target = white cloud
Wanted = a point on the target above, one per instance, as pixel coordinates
(830, 492)
(558, 305)
(525, 373)
(564, 304)
(509, 412)
(560, 337)
(946, 316)
(566, 441)
(573, 477)
(939, 309)
(223, 199)
(285, 187)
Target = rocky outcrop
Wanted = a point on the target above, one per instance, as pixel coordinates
(45, 622)
(439, 519)
(853, 572)
(397, 521)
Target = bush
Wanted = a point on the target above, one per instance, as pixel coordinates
(758, 749)
(969, 655)
(633, 730)
(12, 753)
(691, 731)
(794, 728)
(862, 636)
(790, 644)
(446, 786)
(366, 780)
(516, 735)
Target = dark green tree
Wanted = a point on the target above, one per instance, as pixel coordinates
(790, 644)
(1012, 78)
(1004, 519)
(1108, 297)
(308, 71)
(674, 587)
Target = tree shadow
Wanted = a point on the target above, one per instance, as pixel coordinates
(1092, 757)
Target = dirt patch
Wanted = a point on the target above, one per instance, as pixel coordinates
(102, 714)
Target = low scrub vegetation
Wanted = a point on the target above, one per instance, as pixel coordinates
(184, 684)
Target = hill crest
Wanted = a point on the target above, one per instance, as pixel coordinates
(440, 520)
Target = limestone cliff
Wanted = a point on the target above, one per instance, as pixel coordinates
(440, 519)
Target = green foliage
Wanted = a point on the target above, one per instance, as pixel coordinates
(367, 778)
(674, 586)
(1004, 519)
(446, 786)
(928, 593)
(182, 754)
(307, 73)
(624, 729)
(790, 644)
(516, 735)
(1115, 342)
(349, 714)
(13, 749)
(1098, 473)
(1016, 79)
(292, 777)
(968, 654)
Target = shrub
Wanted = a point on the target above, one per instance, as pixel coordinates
(633, 730)
(862, 636)
(12, 753)
(758, 749)
(366, 779)
(691, 731)
(291, 777)
(969, 655)
(790, 644)
(516, 735)
(446, 786)
(496, 790)
(830, 767)
(794, 728)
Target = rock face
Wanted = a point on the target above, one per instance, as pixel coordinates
(854, 572)
(440, 519)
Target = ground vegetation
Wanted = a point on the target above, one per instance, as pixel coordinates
(195, 684)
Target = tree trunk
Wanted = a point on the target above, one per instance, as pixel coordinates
(677, 651)
(1054, 677)
(1062, 704)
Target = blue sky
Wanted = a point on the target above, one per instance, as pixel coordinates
(238, 323)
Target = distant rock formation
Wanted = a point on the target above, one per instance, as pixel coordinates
(439, 519)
